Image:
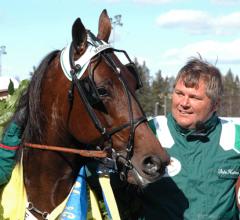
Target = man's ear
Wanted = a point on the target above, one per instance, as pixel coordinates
(215, 105)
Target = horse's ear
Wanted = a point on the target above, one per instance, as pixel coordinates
(79, 34)
(104, 26)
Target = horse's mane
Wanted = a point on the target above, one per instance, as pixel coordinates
(31, 101)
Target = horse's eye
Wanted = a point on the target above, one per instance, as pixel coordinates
(102, 92)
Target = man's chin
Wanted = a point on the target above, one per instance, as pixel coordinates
(184, 123)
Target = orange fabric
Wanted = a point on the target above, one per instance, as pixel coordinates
(238, 192)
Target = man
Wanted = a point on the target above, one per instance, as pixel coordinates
(205, 153)
(9, 145)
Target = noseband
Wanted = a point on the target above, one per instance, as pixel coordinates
(76, 70)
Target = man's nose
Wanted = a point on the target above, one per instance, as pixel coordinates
(185, 102)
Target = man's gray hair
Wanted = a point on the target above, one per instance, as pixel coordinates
(197, 69)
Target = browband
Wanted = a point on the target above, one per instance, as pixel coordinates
(92, 50)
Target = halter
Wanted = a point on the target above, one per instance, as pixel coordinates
(75, 69)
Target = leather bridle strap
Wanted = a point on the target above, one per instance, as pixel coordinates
(90, 111)
(75, 82)
(136, 122)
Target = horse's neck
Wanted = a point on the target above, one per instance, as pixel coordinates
(48, 177)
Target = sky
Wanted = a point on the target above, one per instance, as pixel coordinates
(164, 34)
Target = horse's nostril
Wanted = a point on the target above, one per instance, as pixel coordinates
(152, 165)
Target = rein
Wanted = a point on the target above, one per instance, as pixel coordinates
(83, 153)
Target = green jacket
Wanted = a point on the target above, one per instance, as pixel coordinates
(8, 147)
(199, 184)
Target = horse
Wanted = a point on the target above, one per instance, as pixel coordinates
(83, 97)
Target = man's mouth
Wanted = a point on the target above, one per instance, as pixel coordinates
(185, 112)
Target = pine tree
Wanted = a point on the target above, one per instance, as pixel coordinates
(144, 94)
(10, 87)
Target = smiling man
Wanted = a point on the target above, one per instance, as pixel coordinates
(190, 102)
(205, 152)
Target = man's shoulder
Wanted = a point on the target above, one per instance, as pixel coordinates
(230, 135)
(160, 128)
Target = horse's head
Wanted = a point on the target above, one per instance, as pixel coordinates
(103, 109)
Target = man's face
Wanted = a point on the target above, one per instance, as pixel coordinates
(191, 105)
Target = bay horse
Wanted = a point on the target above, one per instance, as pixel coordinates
(83, 97)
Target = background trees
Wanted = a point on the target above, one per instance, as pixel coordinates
(231, 98)
(155, 96)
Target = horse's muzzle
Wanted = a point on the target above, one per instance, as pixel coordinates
(151, 169)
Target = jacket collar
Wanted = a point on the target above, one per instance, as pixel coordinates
(202, 130)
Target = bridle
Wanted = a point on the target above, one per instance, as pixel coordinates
(106, 135)
(86, 87)
(91, 97)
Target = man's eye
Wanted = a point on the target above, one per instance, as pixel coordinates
(102, 92)
(178, 93)
(196, 98)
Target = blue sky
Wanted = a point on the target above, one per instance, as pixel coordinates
(163, 33)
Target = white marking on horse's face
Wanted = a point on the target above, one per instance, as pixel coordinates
(141, 181)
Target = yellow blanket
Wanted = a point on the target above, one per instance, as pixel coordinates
(14, 199)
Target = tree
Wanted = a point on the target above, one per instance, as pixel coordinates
(231, 99)
(143, 94)
(161, 92)
(10, 87)
(8, 106)
(155, 91)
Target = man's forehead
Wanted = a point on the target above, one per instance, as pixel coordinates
(193, 83)
(196, 86)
